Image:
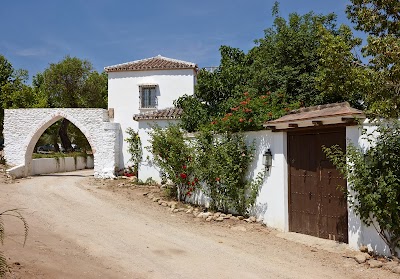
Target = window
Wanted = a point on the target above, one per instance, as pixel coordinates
(148, 96)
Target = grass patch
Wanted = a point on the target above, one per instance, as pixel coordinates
(60, 155)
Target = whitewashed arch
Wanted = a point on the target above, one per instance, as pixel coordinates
(23, 128)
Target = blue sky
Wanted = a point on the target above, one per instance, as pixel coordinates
(36, 33)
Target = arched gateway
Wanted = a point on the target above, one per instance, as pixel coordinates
(23, 128)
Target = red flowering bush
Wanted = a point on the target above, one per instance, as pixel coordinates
(250, 111)
(172, 153)
(222, 166)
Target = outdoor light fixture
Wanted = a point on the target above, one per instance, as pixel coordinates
(267, 159)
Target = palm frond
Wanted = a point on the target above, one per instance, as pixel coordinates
(17, 214)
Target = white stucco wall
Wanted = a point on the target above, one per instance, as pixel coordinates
(23, 128)
(63, 164)
(272, 201)
(123, 95)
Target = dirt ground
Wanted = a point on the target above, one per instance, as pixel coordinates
(80, 227)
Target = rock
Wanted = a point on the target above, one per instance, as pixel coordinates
(181, 209)
(206, 215)
(238, 228)
(361, 258)
(234, 218)
(195, 213)
(240, 217)
(219, 219)
(156, 199)
(200, 215)
(252, 219)
(164, 204)
(160, 202)
(375, 264)
(145, 193)
(364, 249)
(175, 210)
(189, 211)
(259, 220)
(172, 204)
(222, 215)
(209, 218)
(217, 214)
(229, 215)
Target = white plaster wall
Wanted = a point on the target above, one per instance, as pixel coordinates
(272, 201)
(23, 127)
(146, 168)
(52, 165)
(123, 95)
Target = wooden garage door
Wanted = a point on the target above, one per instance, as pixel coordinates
(317, 201)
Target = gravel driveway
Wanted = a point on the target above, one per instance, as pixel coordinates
(80, 228)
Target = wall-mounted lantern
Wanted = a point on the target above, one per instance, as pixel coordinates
(267, 159)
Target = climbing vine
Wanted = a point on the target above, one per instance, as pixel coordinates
(134, 148)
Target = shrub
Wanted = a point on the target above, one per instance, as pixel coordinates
(374, 178)
(222, 165)
(173, 155)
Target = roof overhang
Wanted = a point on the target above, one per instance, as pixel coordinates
(323, 115)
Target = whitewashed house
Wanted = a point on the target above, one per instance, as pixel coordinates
(146, 87)
(302, 191)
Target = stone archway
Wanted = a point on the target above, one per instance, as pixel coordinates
(23, 127)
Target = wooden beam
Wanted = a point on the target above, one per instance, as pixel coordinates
(293, 125)
(317, 123)
(348, 119)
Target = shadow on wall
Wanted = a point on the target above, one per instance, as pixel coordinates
(262, 140)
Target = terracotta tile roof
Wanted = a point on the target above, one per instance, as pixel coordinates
(154, 63)
(162, 114)
(320, 112)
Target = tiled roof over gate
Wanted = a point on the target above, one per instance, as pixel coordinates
(317, 115)
(154, 63)
(162, 114)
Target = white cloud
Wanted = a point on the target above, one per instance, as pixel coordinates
(32, 52)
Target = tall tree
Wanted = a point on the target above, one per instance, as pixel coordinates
(341, 74)
(381, 21)
(14, 92)
(72, 83)
(283, 65)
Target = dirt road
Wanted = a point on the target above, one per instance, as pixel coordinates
(80, 229)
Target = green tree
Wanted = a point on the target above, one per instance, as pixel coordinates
(283, 64)
(14, 92)
(381, 21)
(341, 76)
(72, 83)
(286, 59)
